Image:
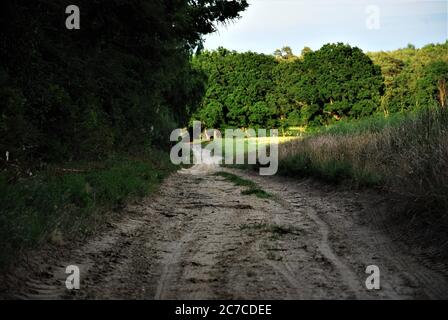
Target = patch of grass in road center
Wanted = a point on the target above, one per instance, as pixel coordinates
(257, 192)
(252, 187)
(236, 180)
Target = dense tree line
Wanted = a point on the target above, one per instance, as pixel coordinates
(123, 81)
(318, 87)
(238, 88)
(414, 77)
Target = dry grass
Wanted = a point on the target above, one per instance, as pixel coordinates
(408, 157)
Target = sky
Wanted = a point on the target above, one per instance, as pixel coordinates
(371, 25)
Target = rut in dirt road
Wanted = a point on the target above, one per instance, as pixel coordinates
(200, 238)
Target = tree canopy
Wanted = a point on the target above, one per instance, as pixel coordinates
(253, 90)
(123, 81)
(414, 77)
(318, 87)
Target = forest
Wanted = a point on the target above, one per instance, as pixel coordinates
(318, 88)
(120, 83)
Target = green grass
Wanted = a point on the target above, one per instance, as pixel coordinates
(372, 124)
(252, 187)
(236, 180)
(257, 192)
(72, 204)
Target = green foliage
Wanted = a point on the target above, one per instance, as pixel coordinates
(236, 180)
(257, 192)
(123, 81)
(13, 127)
(335, 83)
(212, 115)
(339, 82)
(72, 203)
(252, 187)
(260, 114)
(238, 85)
(414, 78)
(255, 90)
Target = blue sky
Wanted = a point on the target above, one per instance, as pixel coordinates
(372, 25)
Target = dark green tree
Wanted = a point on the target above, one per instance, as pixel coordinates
(342, 81)
(238, 84)
(121, 82)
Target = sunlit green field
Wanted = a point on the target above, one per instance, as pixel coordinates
(243, 146)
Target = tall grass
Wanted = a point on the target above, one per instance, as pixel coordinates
(54, 202)
(406, 154)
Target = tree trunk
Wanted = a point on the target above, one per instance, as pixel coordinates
(442, 86)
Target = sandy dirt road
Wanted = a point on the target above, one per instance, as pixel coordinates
(200, 238)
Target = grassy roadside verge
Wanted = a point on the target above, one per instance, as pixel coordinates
(59, 204)
(406, 155)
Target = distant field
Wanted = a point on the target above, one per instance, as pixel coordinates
(242, 146)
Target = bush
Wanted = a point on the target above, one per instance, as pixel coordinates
(72, 203)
